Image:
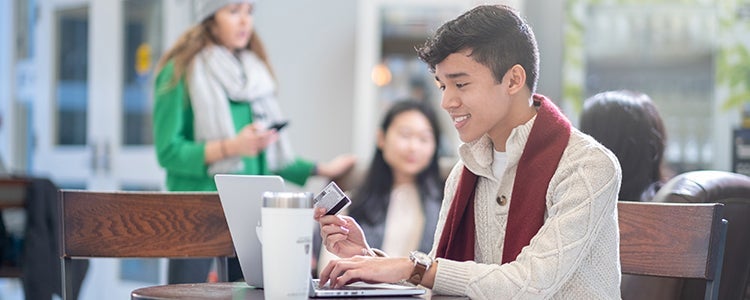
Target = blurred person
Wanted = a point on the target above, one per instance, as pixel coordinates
(530, 209)
(399, 200)
(628, 123)
(215, 98)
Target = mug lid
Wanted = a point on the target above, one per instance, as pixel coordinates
(288, 199)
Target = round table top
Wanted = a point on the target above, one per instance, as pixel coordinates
(218, 290)
(229, 291)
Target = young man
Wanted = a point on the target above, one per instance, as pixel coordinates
(529, 210)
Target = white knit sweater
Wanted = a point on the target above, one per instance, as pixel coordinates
(575, 255)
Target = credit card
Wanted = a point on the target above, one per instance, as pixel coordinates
(332, 199)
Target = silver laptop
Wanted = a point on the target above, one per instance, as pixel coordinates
(241, 198)
(361, 289)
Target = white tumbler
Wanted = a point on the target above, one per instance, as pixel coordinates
(287, 228)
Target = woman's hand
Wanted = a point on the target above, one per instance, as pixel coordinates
(367, 269)
(341, 235)
(337, 166)
(251, 140)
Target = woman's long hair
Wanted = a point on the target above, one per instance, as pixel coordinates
(371, 199)
(629, 125)
(192, 41)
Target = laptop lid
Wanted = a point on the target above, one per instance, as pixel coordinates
(241, 198)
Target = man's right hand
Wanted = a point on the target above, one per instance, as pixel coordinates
(341, 235)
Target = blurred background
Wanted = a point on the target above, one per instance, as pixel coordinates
(76, 83)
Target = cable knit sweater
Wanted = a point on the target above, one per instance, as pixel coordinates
(575, 255)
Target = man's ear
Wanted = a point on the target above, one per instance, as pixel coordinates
(516, 79)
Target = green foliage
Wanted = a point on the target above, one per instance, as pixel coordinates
(732, 56)
(733, 62)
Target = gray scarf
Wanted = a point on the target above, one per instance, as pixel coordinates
(218, 75)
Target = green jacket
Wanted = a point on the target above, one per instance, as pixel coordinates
(182, 157)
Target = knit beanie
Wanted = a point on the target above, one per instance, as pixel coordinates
(202, 9)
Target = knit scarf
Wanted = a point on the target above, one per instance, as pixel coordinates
(217, 75)
(547, 140)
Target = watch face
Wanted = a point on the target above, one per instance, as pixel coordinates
(420, 258)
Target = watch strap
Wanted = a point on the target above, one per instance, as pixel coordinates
(417, 273)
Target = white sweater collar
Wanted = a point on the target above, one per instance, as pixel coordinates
(477, 155)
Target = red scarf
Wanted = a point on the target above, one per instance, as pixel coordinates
(547, 140)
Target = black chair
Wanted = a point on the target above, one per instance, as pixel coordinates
(733, 190)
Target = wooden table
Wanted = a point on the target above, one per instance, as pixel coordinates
(231, 291)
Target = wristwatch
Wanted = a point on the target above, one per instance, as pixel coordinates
(422, 263)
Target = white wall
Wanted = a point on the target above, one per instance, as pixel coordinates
(549, 40)
(311, 47)
(6, 81)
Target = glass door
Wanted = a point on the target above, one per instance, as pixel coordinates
(93, 108)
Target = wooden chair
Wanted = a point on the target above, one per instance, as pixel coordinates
(142, 225)
(673, 240)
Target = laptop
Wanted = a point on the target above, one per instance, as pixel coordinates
(241, 199)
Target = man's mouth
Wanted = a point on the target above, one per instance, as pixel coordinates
(459, 119)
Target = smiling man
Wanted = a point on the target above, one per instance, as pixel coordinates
(530, 209)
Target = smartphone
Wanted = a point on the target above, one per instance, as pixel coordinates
(278, 125)
(332, 199)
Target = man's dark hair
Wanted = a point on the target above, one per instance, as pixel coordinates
(497, 36)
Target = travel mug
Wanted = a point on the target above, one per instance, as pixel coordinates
(287, 228)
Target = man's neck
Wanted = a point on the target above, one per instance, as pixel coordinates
(521, 112)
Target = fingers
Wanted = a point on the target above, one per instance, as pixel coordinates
(337, 166)
(332, 229)
(345, 272)
(318, 213)
(340, 273)
(253, 139)
(326, 220)
(357, 268)
(333, 234)
(325, 273)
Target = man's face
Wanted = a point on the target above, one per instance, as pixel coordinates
(476, 103)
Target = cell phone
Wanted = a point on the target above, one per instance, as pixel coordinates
(332, 199)
(278, 125)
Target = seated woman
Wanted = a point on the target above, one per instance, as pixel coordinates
(399, 200)
(629, 124)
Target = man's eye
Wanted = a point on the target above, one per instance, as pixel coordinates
(460, 85)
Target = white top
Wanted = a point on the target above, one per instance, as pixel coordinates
(404, 222)
(499, 162)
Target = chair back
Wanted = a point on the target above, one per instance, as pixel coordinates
(673, 240)
(733, 190)
(142, 225)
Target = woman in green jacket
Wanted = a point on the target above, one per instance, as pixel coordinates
(215, 98)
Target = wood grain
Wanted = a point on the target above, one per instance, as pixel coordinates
(666, 239)
(143, 224)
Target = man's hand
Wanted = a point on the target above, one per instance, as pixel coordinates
(341, 235)
(366, 268)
